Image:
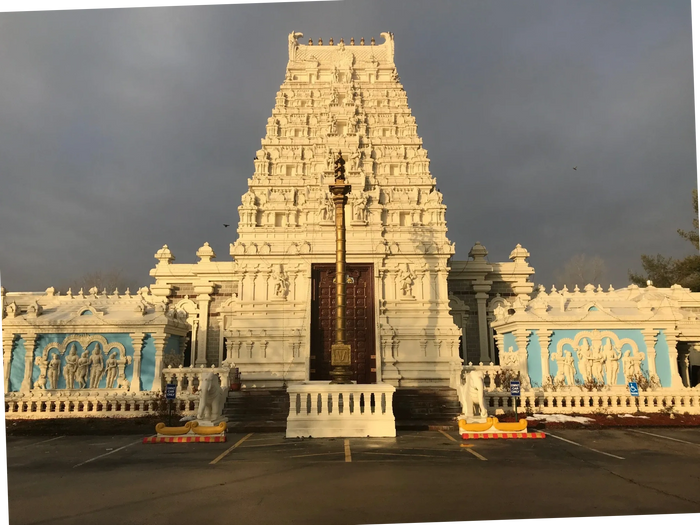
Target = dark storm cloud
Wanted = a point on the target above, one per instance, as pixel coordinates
(123, 130)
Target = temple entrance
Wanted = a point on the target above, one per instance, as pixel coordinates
(359, 327)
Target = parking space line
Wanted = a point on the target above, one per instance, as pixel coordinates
(228, 451)
(475, 453)
(348, 456)
(395, 454)
(108, 453)
(583, 446)
(269, 444)
(663, 437)
(320, 454)
(45, 441)
(447, 436)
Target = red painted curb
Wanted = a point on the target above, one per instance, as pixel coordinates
(503, 435)
(184, 439)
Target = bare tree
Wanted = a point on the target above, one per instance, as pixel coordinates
(581, 270)
(103, 280)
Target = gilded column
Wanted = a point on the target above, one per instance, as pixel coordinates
(137, 344)
(29, 343)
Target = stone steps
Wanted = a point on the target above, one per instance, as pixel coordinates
(414, 409)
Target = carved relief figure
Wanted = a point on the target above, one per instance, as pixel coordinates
(407, 278)
(111, 369)
(597, 359)
(612, 361)
(248, 199)
(560, 377)
(293, 44)
(97, 367)
(354, 160)
(569, 368)
(54, 368)
(632, 364)
(81, 373)
(328, 211)
(281, 283)
(360, 207)
(71, 367)
(584, 360)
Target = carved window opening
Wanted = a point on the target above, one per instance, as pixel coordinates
(289, 170)
(279, 218)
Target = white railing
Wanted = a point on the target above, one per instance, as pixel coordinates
(320, 409)
(679, 401)
(496, 377)
(187, 378)
(83, 404)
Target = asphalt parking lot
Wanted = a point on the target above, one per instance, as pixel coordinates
(416, 477)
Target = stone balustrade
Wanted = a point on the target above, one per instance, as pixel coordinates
(680, 401)
(187, 378)
(321, 409)
(75, 404)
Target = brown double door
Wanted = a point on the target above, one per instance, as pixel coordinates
(359, 324)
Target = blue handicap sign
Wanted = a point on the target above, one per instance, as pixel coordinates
(170, 391)
(634, 389)
(515, 388)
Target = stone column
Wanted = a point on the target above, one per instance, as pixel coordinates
(29, 342)
(522, 336)
(203, 300)
(8, 339)
(545, 337)
(159, 341)
(500, 341)
(137, 343)
(481, 298)
(672, 341)
(492, 347)
(650, 336)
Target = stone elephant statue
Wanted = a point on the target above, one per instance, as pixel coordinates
(211, 397)
(471, 394)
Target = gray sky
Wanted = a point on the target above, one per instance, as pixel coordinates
(123, 130)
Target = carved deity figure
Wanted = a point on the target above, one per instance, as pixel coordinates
(281, 283)
(328, 211)
(96, 368)
(248, 199)
(584, 360)
(569, 368)
(71, 367)
(612, 362)
(54, 368)
(360, 207)
(111, 369)
(407, 278)
(332, 125)
(597, 359)
(334, 97)
(81, 373)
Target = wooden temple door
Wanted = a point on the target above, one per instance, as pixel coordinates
(359, 324)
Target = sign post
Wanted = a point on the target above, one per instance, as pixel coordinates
(515, 393)
(634, 392)
(170, 394)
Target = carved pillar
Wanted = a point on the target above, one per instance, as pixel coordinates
(159, 341)
(29, 343)
(203, 301)
(137, 343)
(650, 336)
(545, 337)
(522, 336)
(8, 339)
(492, 346)
(500, 338)
(672, 341)
(481, 298)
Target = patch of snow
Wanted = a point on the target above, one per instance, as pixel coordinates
(630, 415)
(560, 418)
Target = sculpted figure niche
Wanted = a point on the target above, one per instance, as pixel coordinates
(54, 367)
(71, 367)
(407, 278)
(82, 370)
(97, 367)
(111, 368)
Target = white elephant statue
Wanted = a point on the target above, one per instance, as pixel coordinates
(471, 395)
(211, 398)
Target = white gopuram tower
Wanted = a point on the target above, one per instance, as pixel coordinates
(277, 326)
